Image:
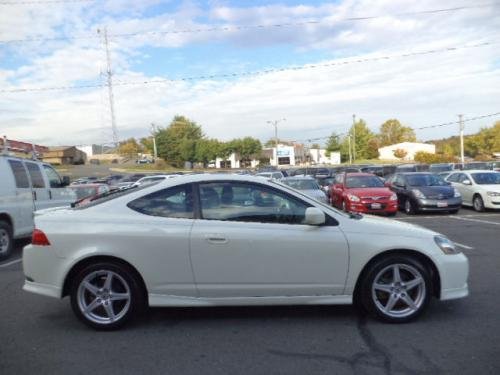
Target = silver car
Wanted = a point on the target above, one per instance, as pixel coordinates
(306, 185)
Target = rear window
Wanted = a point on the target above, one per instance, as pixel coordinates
(363, 182)
(19, 174)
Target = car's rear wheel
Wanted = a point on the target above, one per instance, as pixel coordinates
(478, 203)
(6, 240)
(106, 295)
(396, 289)
(409, 207)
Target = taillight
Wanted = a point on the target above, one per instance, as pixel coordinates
(39, 238)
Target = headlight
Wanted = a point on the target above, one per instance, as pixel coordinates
(493, 194)
(456, 194)
(418, 194)
(393, 197)
(446, 245)
(353, 198)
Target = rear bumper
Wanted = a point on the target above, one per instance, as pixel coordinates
(42, 289)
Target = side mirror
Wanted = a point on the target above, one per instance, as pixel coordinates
(65, 181)
(466, 182)
(314, 216)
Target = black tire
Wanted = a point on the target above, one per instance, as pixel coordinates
(453, 212)
(373, 299)
(409, 207)
(477, 203)
(6, 240)
(128, 308)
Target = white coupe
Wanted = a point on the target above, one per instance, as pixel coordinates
(220, 240)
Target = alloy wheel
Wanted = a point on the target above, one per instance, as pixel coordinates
(104, 297)
(399, 290)
(4, 241)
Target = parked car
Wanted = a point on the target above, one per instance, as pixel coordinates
(479, 188)
(496, 166)
(306, 185)
(89, 190)
(27, 185)
(325, 183)
(152, 179)
(209, 240)
(477, 165)
(273, 175)
(362, 192)
(423, 191)
(129, 180)
(440, 167)
(377, 170)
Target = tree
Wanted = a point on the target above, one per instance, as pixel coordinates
(147, 144)
(372, 148)
(392, 132)
(428, 158)
(315, 146)
(400, 153)
(129, 148)
(363, 136)
(333, 144)
(207, 150)
(177, 143)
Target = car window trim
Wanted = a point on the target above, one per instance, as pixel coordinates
(329, 219)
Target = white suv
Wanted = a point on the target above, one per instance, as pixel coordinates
(26, 185)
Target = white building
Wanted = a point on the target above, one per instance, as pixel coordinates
(318, 156)
(387, 152)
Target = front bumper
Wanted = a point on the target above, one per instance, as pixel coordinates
(368, 207)
(454, 272)
(492, 202)
(439, 204)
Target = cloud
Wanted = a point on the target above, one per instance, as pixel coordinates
(420, 91)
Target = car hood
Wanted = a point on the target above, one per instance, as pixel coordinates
(435, 191)
(495, 188)
(370, 192)
(369, 224)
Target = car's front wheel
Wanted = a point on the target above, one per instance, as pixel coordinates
(478, 203)
(396, 289)
(410, 207)
(106, 295)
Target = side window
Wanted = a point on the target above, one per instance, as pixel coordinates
(175, 202)
(339, 179)
(19, 174)
(400, 180)
(246, 202)
(35, 175)
(462, 177)
(453, 177)
(54, 179)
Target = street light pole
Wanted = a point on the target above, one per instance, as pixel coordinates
(350, 155)
(275, 124)
(354, 137)
(461, 122)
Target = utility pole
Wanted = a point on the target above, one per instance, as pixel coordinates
(110, 88)
(354, 137)
(350, 155)
(155, 151)
(461, 122)
(275, 124)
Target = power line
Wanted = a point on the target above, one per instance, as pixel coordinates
(252, 73)
(242, 27)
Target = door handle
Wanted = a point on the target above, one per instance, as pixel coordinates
(50, 194)
(216, 238)
(34, 195)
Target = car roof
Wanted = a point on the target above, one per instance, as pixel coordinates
(309, 178)
(355, 174)
(87, 185)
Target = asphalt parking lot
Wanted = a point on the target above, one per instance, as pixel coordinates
(41, 335)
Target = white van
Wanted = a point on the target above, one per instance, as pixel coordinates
(25, 186)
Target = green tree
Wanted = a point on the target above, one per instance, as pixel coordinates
(315, 146)
(246, 147)
(206, 150)
(363, 136)
(177, 142)
(392, 132)
(129, 148)
(333, 144)
(372, 148)
(147, 144)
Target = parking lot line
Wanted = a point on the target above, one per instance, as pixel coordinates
(463, 246)
(11, 263)
(474, 220)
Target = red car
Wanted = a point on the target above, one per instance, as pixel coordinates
(362, 192)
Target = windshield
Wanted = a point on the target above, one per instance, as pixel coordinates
(302, 184)
(476, 166)
(363, 182)
(83, 191)
(486, 178)
(425, 180)
(440, 168)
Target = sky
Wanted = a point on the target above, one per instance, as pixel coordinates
(234, 66)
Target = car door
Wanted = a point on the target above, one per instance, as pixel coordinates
(337, 190)
(399, 187)
(21, 201)
(40, 189)
(59, 195)
(249, 242)
(467, 191)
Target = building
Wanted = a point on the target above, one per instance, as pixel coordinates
(411, 148)
(22, 149)
(318, 156)
(64, 155)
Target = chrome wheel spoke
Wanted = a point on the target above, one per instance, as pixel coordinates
(391, 303)
(108, 306)
(413, 283)
(92, 306)
(118, 296)
(383, 287)
(396, 276)
(108, 281)
(407, 299)
(91, 288)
